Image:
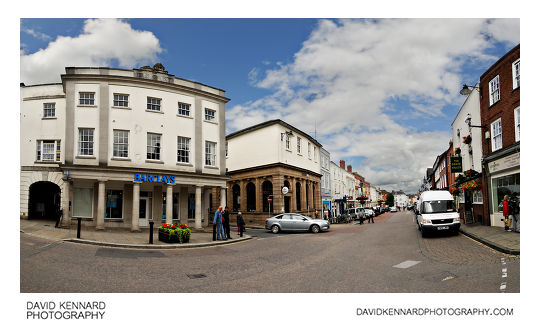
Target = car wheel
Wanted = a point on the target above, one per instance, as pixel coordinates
(315, 228)
(275, 229)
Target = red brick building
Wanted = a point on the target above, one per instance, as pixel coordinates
(500, 118)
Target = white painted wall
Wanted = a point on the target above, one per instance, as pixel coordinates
(33, 127)
(471, 106)
(264, 146)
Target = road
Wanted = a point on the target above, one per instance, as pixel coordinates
(388, 256)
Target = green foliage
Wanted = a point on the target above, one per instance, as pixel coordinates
(389, 200)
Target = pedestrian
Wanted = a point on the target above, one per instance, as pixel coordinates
(514, 211)
(506, 213)
(226, 224)
(240, 224)
(370, 218)
(218, 222)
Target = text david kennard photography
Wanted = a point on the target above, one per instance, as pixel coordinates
(65, 310)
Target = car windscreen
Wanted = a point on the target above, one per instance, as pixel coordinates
(438, 206)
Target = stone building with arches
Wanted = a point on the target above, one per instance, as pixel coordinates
(120, 148)
(273, 167)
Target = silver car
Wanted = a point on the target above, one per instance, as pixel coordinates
(295, 222)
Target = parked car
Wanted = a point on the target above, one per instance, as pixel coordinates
(295, 222)
(393, 209)
(437, 212)
(356, 213)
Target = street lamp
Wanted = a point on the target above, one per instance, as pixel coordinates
(466, 90)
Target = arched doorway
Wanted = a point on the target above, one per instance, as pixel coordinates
(287, 197)
(250, 197)
(44, 201)
(267, 193)
(236, 197)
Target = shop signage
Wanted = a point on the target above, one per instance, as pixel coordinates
(154, 178)
(285, 190)
(455, 164)
(504, 163)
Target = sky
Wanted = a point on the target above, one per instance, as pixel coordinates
(380, 94)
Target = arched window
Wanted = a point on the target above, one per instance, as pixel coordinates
(267, 193)
(250, 197)
(298, 199)
(287, 184)
(236, 197)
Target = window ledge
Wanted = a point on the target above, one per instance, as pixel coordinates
(115, 220)
(84, 218)
(212, 122)
(120, 159)
(154, 161)
(211, 167)
(121, 107)
(86, 106)
(495, 103)
(184, 116)
(48, 118)
(184, 164)
(47, 162)
(85, 157)
(288, 150)
(154, 111)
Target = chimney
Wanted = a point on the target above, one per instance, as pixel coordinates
(349, 168)
(342, 164)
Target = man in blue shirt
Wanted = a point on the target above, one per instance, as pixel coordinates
(218, 222)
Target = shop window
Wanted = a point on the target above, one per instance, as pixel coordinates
(83, 202)
(175, 206)
(502, 186)
(114, 204)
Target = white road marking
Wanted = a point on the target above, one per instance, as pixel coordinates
(503, 286)
(407, 264)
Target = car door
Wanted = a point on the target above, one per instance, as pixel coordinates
(300, 223)
(287, 222)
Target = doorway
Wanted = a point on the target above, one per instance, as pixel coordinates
(145, 207)
(44, 201)
(287, 204)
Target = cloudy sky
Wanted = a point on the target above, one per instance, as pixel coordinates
(380, 94)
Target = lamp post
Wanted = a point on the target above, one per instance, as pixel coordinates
(466, 90)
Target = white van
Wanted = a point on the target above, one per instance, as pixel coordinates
(437, 212)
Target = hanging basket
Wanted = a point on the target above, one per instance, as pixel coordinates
(467, 139)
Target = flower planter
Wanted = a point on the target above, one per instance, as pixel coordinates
(165, 237)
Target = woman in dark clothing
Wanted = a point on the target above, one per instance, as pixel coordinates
(240, 224)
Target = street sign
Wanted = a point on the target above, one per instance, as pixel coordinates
(285, 190)
(455, 164)
(269, 200)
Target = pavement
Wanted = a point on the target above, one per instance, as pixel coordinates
(121, 237)
(494, 237)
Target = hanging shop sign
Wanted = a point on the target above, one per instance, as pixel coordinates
(455, 164)
(154, 178)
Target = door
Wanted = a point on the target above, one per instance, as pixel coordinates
(287, 204)
(144, 210)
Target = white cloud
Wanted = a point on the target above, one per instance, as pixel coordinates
(101, 42)
(346, 73)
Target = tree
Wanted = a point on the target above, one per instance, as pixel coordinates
(389, 200)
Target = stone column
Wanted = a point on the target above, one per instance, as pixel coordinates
(302, 195)
(309, 199)
(183, 202)
(157, 200)
(101, 205)
(293, 195)
(135, 207)
(66, 218)
(318, 199)
(169, 203)
(198, 215)
(258, 195)
(223, 197)
(278, 200)
(243, 196)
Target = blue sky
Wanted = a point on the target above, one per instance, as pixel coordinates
(382, 93)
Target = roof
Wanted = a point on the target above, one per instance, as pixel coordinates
(516, 48)
(269, 123)
(436, 195)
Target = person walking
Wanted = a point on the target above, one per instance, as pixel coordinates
(218, 222)
(370, 218)
(240, 224)
(506, 213)
(514, 211)
(226, 223)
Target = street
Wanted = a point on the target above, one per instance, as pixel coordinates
(388, 256)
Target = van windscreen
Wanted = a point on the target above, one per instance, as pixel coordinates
(438, 206)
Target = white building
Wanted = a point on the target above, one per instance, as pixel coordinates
(265, 158)
(401, 199)
(374, 196)
(120, 148)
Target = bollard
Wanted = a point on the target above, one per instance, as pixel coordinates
(79, 227)
(151, 240)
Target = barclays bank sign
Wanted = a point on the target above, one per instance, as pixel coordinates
(154, 178)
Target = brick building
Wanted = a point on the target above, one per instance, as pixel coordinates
(500, 117)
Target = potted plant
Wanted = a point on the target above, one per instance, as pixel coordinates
(467, 139)
(174, 233)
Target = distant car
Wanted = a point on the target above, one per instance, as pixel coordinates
(295, 222)
(393, 209)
